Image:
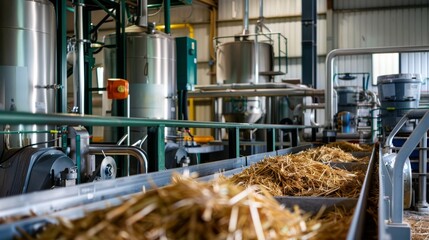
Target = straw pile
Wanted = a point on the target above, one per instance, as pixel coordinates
(187, 209)
(335, 224)
(328, 154)
(350, 147)
(419, 223)
(11, 219)
(299, 175)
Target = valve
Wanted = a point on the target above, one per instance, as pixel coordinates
(117, 88)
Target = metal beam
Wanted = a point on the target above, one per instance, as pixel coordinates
(309, 42)
(61, 11)
(156, 148)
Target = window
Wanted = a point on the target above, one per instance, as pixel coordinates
(384, 64)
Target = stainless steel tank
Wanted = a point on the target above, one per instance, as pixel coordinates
(348, 97)
(27, 62)
(236, 62)
(398, 94)
(151, 72)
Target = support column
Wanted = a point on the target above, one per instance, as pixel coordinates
(61, 11)
(309, 43)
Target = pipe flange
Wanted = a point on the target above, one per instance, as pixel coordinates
(108, 168)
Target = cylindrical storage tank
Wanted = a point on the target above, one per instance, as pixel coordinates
(398, 94)
(236, 62)
(151, 72)
(27, 62)
(348, 97)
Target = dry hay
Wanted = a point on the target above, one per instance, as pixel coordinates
(11, 219)
(298, 175)
(326, 154)
(187, 209)
(335, 224)
(350, 147)
(419, 223)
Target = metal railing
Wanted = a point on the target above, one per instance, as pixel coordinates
(156, 130)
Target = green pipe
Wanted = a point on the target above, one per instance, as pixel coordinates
(23, 132)
(78, 158)
(237, 142)
(64, 141)
(14, 118)
(167, 16)
(61, 46)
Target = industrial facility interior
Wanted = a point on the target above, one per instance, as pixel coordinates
(214, 119)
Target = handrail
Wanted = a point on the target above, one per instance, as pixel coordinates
(156, 129)
(14, 118)
(396, 207)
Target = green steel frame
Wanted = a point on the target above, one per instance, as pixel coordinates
(155, 128)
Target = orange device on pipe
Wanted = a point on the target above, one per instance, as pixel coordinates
(117, 88)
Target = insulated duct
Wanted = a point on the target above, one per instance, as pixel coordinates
(142, 13)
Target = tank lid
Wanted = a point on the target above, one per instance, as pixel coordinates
(135, 28)
(399, 78)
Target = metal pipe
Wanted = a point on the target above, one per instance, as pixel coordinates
(122, 150)
(255, 93)
(250, 86)
(71, 119)
(142, 14)
(190, 28)
(78, 68)
(261, 9)
(167, 16)
(246, 17)
(314, 106)
(356, 51)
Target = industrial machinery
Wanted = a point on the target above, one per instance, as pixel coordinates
(27, 170)
(248, 62)
(236, 63)
(151, 73)
(153, 82)
(398, 93)
(355, 103)
(76, 201)
(27, 66)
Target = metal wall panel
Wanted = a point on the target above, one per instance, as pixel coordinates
(353, 4)
(202, 35)
(181, 14)
(399, 27)
(233, 9)
(295, 71)
(203, 73)
(355, 64)
(416, 63)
